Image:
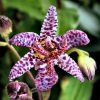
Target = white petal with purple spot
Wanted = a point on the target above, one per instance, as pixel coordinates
(76, 38)
(68, 64)
(25, 39)
(50, 23)
(22, 66)
(46, 77)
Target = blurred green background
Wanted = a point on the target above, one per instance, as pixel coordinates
(28, 15)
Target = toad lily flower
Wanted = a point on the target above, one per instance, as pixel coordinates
(48, 50)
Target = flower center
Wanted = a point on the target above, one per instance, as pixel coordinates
(50, 47)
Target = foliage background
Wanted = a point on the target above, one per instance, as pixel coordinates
(28, 15)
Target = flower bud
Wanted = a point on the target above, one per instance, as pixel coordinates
(5, 26)
(87, 65)
(19, 91)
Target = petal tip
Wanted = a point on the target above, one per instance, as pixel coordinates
(83, 37)
(77, 38)
(10, 78)
(82, 79)
(52, 7)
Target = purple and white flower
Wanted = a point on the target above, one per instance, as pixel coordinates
(47, 50)
(18, 91)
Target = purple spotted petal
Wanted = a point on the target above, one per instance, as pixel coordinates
(50, 23)
(22, 66)
(76, 38)
(68, 64)
(26, 39)
(46, 77)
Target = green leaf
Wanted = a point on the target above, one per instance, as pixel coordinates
(44, 5)
(89, 22)
(68, 19)
(26, 25)
(87, 18)
(97, 8)
(73, 89)
(27, 6)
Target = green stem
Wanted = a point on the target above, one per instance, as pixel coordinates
(46, 95)
(79, 51)
(3, 43)
(13, 51)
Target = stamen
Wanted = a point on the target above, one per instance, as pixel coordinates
(38, 55)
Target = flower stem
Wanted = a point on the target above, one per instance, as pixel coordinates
(28, 72)
(14, 51)
(79, 51)
(46, 94)
(3, 43)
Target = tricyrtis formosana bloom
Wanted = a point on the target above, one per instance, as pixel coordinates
(46, 51)
(19, 91)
